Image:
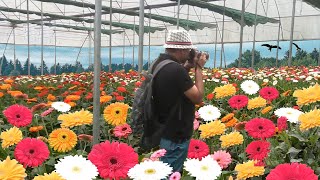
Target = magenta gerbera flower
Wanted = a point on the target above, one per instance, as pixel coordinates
(18, 115)
(269, 93)
(113, 160)
(282, 123)
(238, 101)
(197, 149)
(260, 128)
(31, 152)
(258, 150)
(295, 171)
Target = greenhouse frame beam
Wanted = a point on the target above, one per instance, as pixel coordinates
(103, 31)
(77, 19)
(188, 24)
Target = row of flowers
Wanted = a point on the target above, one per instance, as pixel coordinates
(264, 126)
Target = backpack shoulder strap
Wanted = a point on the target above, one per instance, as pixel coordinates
(161, 65)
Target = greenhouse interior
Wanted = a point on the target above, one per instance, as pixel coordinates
(80, 98)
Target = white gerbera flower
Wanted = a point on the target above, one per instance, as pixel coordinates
(249, 87)
(209, 113)
(155, 170)
(61, 106)
(76, 167)
(290, 113)
(206, 169)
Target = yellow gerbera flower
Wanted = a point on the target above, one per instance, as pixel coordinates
(212, 129)
(310, 120)
(231, 139)
(307, 95)
(62, 139)
(77, 118)
(10, 169)
(11, 137)
(248, 170)
(51, 176)
(256, 103)
(116, 113)
(224, 91)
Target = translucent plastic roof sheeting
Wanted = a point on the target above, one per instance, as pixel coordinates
(307, 22)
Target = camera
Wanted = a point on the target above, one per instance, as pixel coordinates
(195, 53)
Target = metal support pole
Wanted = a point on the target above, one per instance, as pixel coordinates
(55, 52)
(254, 35)
(97, 70)
(277, 55)
(90, 47)
(124, 48)
(319, 57)
(215, 49)
(178, 14)
(141, 33)
(133, 40)
(241, 32)
(149, 40)
(41, 38)
(28, 26)
(14, 49)
(291, 33)
(222, 33)
(110, 37)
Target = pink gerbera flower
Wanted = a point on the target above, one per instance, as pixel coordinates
(18, 115)
(269, 93)
(158, 154)
(295, 171)
(238, 101)
(258, 150)
(122, 131)
(113, 160)
(175, 176)
(197, 149)
(31, 152)
(196, 124)
(282, 123)
(260, 128)
(223, 158)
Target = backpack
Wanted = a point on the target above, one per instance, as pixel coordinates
(144, 119)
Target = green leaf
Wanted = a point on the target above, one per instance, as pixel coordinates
(293, 152)
(296, 160)
(282, 146)
(298, 136)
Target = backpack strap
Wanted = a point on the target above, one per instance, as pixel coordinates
(160, 66)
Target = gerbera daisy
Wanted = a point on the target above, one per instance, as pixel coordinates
(207, 168)
(175, 176)
(10, 169)
(61, 106)
(282, 123)
(156, 170)
(223, 158)
(238, 101)
(76, 167)
(18, 115)
(248, 170)
(122, 131)
(209, 113)
(51, 176)
(290, 113)
(224, 91)
(249, 87)
(197, 149)
(116, 113)
(11, 137)
(256, 103)
(260, 128)
(158, 154)
(113, 160)
(46, 112)
(258, 150)
(295, 171)
(269, 93)
(231, 139)
(31, 152)
(62, 139)
(211, 129)
(266, 110)
(310, 120)
(77, 118)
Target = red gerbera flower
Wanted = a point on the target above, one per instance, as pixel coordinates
(18, 115)
(269, 93)
(31, 152)
(260, 128)
(282, 123)
(238, 101)
(197, 149)
(123, 130)
(258, 150)
(113, 160)
(295, 171)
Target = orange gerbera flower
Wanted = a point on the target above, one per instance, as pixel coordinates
(39, 88)
(8, 81)
(1, 94)
(51, 97)
(73, 97)
(70, 88)
(32, 100)
(14, 93)
(5, 86)
(104, 99)
(35, 128)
